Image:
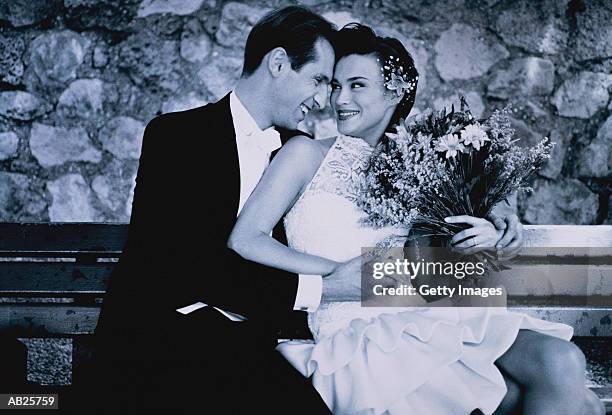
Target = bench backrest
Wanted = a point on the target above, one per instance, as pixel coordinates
(53, 276)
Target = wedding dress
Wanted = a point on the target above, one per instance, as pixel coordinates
(396, 361)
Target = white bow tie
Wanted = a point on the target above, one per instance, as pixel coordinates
(267, 140)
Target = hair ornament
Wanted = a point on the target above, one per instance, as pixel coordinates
(394, 77)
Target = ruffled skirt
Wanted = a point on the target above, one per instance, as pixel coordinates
(421, 361)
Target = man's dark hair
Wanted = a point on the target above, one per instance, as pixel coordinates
(295, 29)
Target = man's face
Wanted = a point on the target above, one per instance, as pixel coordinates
(300, 91)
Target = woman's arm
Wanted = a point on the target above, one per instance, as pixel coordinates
(279, 188)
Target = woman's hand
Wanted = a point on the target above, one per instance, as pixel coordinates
(481, 236)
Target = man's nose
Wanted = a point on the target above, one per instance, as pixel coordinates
(321, 97)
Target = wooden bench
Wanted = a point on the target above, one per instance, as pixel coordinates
(53, 279)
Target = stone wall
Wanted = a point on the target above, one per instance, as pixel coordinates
(79, 80)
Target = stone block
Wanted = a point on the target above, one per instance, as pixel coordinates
(12, 48)
(87, 99)
(151, 62)
(582, 95)
(182, 102)
(180, 7)
(464, 52)
(196, 45)
(236, 22)
(112, 15)
(114, 190)
(100, 56)
(561, 138)
(56, 55)
(20, 198)
(596, 159)
(8, 144)
(71, 200)
(27, 12)
(122, 136)
(526, 76)
(566, 201)
(221, 74)
(593, 38)
(525, 134)
(53, 146)
(538, 27)
(22, 106)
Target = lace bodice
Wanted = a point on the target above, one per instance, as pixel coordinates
(325, 221)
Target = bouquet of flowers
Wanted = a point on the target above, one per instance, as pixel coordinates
(446, 163)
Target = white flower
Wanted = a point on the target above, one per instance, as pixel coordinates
(450, 144)
(423, 141)
(398, 84)
(400, 135)
(473, 135)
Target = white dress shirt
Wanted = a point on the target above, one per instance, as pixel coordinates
(254, 149)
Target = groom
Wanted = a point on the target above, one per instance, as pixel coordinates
(187, 325)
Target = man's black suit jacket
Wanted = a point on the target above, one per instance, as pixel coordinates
(185, 203)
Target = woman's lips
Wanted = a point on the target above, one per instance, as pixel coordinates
(344, 115)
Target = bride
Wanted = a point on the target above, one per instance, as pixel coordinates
(419, 360)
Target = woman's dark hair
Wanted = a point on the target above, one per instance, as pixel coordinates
(358, 39)
(295, 29)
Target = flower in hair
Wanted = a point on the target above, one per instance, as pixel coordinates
(396, 80)
(398, 84)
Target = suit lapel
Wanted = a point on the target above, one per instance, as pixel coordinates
(226, 156)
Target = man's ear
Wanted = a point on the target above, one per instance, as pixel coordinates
(278, 61)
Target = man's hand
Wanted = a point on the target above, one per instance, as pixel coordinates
(344, 284)
(481, 236)
(512, 241)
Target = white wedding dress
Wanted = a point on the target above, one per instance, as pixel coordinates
(397, 361)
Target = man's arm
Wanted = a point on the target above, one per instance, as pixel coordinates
(162, 261)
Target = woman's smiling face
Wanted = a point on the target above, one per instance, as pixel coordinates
(361, 103)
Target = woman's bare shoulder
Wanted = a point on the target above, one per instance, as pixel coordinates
(307, 150)
(325, 144)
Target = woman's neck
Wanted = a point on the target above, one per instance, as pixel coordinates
(373, 135)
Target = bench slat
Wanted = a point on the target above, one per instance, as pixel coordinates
(62, 237)
(29, 320)
(586, 321)
(112, 237)
(568, 235)
(28, 277)
(547, 279)
(36, 320)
